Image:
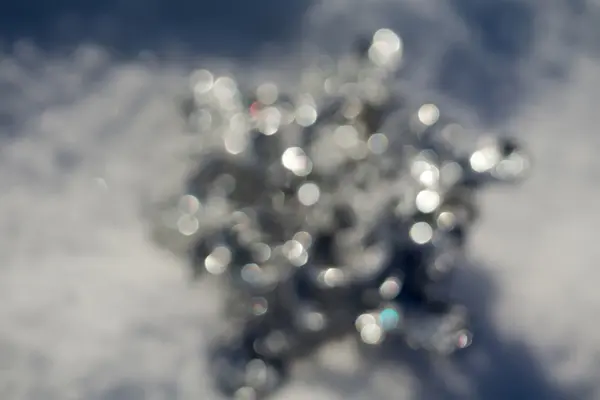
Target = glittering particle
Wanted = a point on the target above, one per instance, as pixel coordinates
(202, 82)
(225, 89)
(484, 160)
(428, 201)
(428, 114)
(261, 252)
(296, 160)
(276, 342)
(364, 320)
(189, 204)
(254, 108)
(353, 109)
(256, 373)
(311, 320)
(465, 339)
(389, 319)
(309, 193)
(188, 225)
(421, 232)
(425, 171)
(346, 136)
(442, 265)
(269, 120)
(388, 37)
(446, 220)
(306, 115)
(450, 173)
(217, 262)
(293, 249)
(303, 238)
(405, 204)
(501, 158)
(252, 274)
(378, 143)
(390, 289)
(371, 334)
(332, 277)
(259, 306)
(235, 144)
(386, 48)
(511, 167)
(267, 93)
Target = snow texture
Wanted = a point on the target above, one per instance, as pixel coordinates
(90, 309)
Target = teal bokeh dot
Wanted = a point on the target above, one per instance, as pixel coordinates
(389, 319)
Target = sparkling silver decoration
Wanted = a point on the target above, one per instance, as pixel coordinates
(339, 209)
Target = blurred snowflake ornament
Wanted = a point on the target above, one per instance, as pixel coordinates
(336, 210)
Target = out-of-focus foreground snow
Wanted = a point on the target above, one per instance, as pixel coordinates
(91, 309)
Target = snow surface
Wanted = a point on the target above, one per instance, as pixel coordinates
(91, 309)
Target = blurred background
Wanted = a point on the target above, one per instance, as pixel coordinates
(91, 309)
